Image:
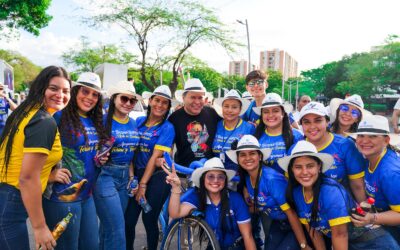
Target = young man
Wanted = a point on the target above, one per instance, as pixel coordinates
(195, 125)
(256, 84)
(5, 104)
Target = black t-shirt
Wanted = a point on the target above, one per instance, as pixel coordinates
(194, 135)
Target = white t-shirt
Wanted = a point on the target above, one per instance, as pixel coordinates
(397, 105)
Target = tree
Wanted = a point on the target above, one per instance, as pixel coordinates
(29, 15)
(24, 70)
(87, 57)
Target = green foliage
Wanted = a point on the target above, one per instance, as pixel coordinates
(29, 15)
(87, 57)
(274, 82)
(24, 70)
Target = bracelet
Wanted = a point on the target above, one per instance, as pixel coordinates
(172, 192)
(131, 177)
(142, 185)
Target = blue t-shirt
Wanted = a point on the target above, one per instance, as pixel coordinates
(159, 136)
(78, 159)
(250, 115)
(348, 162)
(239, 213)
(126, 140)
(334, 206)
(383, 184)
(224, 138)
(4, 107)
(277, 144)
(271, 193)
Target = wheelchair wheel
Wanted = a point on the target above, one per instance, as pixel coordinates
(190, 233)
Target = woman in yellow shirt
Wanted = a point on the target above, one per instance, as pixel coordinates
(29, 148)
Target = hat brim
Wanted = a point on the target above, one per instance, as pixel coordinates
(327, 160)
(257, 110)
(112, 91)
(90, 86)
(336, 102)
(219, 101)
(266, 152)
(196, 175)
(311, 112)
(147, 95)
(394, 138)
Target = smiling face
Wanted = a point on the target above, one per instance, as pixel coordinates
(57, 94)
(257, 87)
(314, 127)
(372, 145)
(124, 104)
(306, 171)
(193, 102)
(86, 99)
(214, 181)
(159, 106)
(348, 114)
(272, 117)
(231, 109)
(249, 160)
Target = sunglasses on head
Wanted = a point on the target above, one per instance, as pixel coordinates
(258, 82)
(125, 99)
(355, 113)
(217, 177)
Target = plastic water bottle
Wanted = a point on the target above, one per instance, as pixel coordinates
(145, 206)
(132, 185)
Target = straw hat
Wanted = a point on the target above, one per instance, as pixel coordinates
(354, 100)
(231, 95)
(248, 142)
(271, 100)
(89, 80)
(211, 164)
(124, 87)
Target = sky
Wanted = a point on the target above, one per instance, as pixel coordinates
(314, 32)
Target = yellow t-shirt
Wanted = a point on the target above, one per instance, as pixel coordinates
(37, 133)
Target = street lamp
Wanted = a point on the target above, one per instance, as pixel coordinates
(248, 40)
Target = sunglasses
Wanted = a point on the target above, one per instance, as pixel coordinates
(355, 113)
(218, 177)
(258, 82)
(86, 92)
(125, 99)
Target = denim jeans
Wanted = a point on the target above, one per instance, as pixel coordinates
(111, 199)
(83, 228)
(156, 194)
(281, 235)
(13, 215)
(383, 242)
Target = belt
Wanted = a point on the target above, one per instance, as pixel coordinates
(370, 235)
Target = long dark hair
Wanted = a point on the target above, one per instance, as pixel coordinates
(225, 216)
(287, 132)
(35, 99)
(110, 114)
(70, 123)
(336, 124)
(149, 112)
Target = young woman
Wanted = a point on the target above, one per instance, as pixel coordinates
(232, 127)
(225, 212)
(266, 188)
(156, 136)
(346, 114)
(274, 130)
(30, 147)
(323, 205)
(110, 193)
(348, 168)
(382, 177)
(71, 185)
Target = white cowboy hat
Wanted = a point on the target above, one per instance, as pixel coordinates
(162, 91)
(193, 85)
(211, 164)
(313, 108)
(271, 100)
(305, 148)
(376, 125)
(124, 87)
(248, 142)
(354, 100)
(232, 95)
(90, 80)
(247, 96)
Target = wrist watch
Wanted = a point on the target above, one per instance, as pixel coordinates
(303, 245)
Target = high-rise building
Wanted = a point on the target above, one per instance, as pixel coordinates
(238, 68)
(279, 60)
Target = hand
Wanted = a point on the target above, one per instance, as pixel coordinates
(160, 161)
(133, 191)
(307, 247)
(140, 194)
(172, 178)
(43, 238)
(360, 221)
(61, 175)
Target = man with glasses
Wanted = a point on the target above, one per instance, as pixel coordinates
(6, 103)
(256, 84)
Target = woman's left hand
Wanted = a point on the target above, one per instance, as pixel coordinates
(360, 221)
(140, 194)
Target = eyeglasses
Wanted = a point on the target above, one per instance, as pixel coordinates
(85, 91)
(355, 113)
(218, 177)
(258, 82)
(125, 99)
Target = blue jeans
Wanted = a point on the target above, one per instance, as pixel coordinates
(383, 242)
(13, 215)
(111, 199)
(156, 194)
(83, 228)
(281, 235)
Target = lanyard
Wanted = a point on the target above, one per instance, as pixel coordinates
(233, 130)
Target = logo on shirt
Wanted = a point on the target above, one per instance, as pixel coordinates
(197, 136)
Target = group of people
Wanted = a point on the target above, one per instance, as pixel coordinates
(305, 176)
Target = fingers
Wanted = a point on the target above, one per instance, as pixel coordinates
(173, 169)
(63, 177)
(165, 169)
